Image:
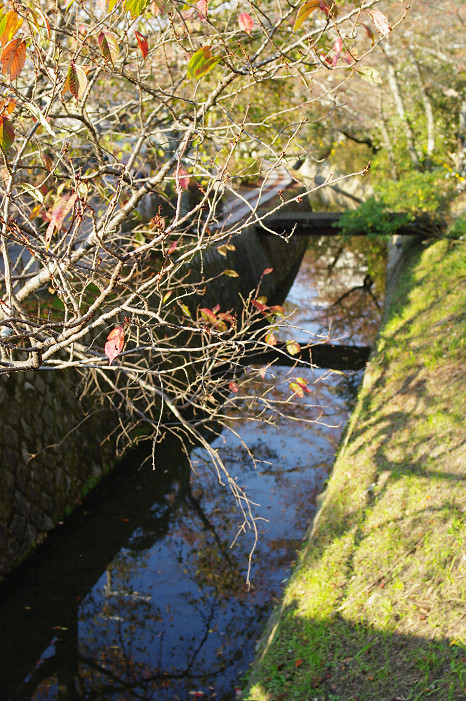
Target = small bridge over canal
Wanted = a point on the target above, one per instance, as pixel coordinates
(326, 224)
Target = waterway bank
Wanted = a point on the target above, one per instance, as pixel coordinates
(375, 607)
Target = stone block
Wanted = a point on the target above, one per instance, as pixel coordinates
(17, 528)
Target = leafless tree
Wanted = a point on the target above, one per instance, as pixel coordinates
(123, 128)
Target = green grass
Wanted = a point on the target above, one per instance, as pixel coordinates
(375, 608)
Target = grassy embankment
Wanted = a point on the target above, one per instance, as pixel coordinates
(376, 607)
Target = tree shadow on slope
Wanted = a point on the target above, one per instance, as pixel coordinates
(334, 658)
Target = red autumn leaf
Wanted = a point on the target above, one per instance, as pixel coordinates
(201, 9)
(258, 305)
(302, 382)
(324, 7)
(267, 271)
(143, 45)
(246, 23)
(338, 45)
(225, 316)
(13, 58)
(115, 343)
(208, 315)
(172, 248)
(369, 32)
(233, 387)
(380, 22)
(298, 663)
(182, 179)
(299, 386)
(7, 134)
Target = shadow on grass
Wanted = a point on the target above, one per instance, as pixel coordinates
(338, 659)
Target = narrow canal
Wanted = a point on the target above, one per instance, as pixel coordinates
(139, 594)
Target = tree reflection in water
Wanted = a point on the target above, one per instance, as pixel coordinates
(141, 596)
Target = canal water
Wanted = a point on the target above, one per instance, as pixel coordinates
(139, 595)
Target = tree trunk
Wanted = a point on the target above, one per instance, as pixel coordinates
(427, 110)
(386, 139)
(398, 98)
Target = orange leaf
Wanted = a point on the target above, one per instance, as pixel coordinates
(270, 339)
(13, 58)
(304, 12)
(58, 215)
(115, 343)
(7, 106)
(9, 26)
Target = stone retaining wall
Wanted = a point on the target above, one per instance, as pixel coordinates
(51, 454)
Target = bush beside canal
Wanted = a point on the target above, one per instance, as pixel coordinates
(375, 607)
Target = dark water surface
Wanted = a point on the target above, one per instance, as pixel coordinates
(139, 595)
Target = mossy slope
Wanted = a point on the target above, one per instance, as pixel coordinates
(376, 608)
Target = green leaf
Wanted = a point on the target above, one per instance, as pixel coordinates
(304, 12)
(185, 309)
(7, 134)
(231, 273)
(136, 7)
(370, 74)
(201, 62)
(296, 389)
(293, 347)
(208, 66)
(197, 60)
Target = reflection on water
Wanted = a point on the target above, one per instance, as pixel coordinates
(140, 596)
